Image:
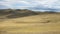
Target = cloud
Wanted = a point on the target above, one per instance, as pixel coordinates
(22, 4)
(15, 3)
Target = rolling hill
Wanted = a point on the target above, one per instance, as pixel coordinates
(29, 22)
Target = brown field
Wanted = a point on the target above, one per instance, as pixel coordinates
(37, 24)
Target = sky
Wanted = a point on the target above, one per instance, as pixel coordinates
(31, 4)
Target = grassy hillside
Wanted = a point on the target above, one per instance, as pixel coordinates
(30, 22)
(9, 13)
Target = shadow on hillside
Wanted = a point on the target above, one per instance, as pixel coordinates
(21, 15)
(17, 13)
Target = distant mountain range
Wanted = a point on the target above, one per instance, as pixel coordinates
(15, 13)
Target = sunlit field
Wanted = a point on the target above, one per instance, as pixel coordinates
(36, 24)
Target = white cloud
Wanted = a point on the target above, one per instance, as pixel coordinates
(31, 3)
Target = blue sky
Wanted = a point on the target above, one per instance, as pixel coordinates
(31, 4)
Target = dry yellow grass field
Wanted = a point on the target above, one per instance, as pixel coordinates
(37, 23)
